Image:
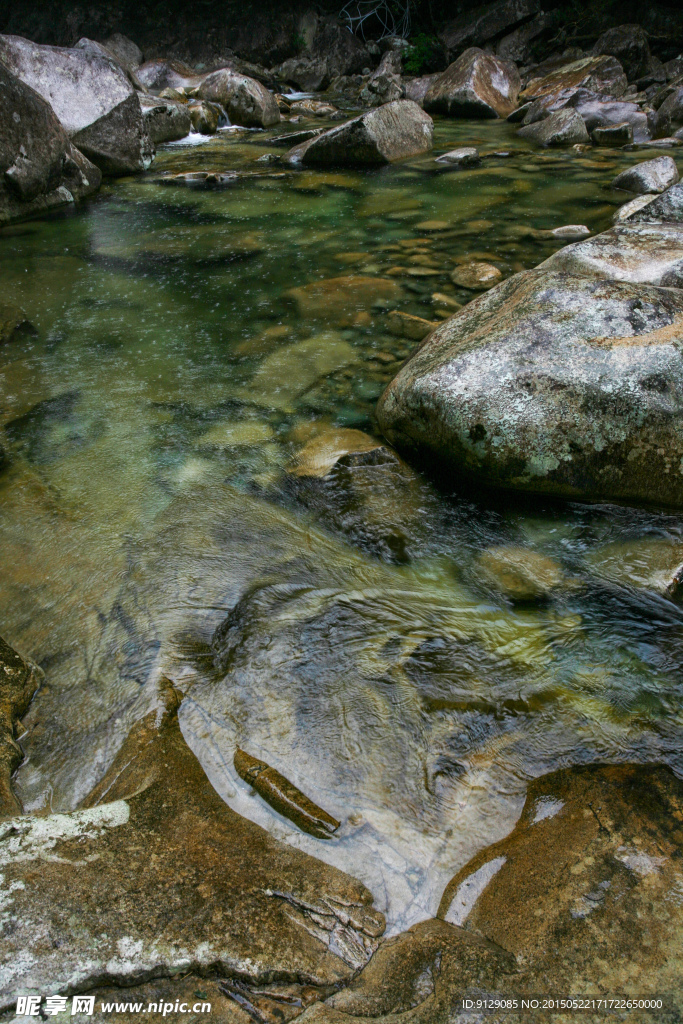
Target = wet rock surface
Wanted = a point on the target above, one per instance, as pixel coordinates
(92, 99)
(188, 884)
(563, 128)
(41, 168)
(477, 84)
(582, 892)
(19, 680)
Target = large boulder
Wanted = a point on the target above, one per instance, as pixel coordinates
(666, 207)
(603, 75)
(159, 74)
(552, 383)
(41, 168)
(246, 101)
(388, 133)
(563, 128)
(603, 111)
(310, 74)
(92, 98)
(474, 28)
(100, 50)
(650, 176)
(166, 120)
(125, 50)
(629, 44)
(477, 84)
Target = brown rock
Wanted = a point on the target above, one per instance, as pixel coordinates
(477, 84)
(518, 573)
(600, 74)
(323, 451)
(204, 117)
(337, 297)
(157, 875)
(405, 325)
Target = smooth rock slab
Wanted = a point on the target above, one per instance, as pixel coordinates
(637, 253)
(157, 875)
(552, 383)
(585, 891)
(391, 132)
(651, 176)
(477, 84)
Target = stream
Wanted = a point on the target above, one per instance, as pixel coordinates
(151, 423)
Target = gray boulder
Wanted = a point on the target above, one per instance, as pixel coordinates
(552, 383)
(391, 132)
(92, 98)
(125, 50)
(666, 207)
(40, 168)
(166, 120)
(474, 28)
(634, 253)
(515, 45)
(669, 116)
(100, 50)
(384, 85)
(650, 176)
(246, 101)
(600, 111)
(629, 44)
(310, 74)
(563, 128)
(157, 75)
(477, 84)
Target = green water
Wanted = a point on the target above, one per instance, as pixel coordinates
(150, 423)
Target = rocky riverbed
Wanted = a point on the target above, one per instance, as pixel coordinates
(340, 511)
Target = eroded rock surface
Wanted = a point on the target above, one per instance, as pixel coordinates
(601, 74)
(637, 253)
(19, 680)
(584, 891)
(156, 874)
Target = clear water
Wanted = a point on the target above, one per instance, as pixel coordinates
(150, 423)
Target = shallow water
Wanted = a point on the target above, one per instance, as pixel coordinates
(150, 423)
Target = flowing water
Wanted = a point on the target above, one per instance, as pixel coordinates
(150, 424)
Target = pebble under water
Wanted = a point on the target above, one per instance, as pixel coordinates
(368, 654)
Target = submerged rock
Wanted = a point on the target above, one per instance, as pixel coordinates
(324, 450)
(166, 120)
(163, 876)
(278, 791)
(477, 276)
(340, 299)
(586, 878)
(14, 323)
(563, 128)
(649, 563)
(19, 680)
(41, 169)
(518, 573)
(554, 383)
(92, 98)
(650, 176)
(477, 84)
(247, 102)
(391, 132)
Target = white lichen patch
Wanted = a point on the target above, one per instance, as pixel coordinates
(31, 838)
(639, 861)
(546, 807)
